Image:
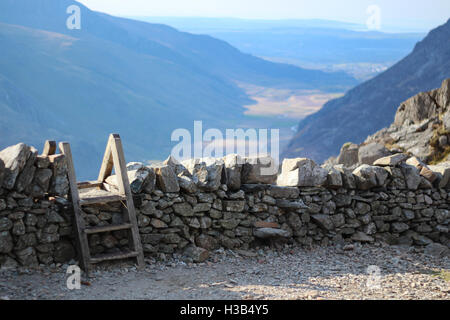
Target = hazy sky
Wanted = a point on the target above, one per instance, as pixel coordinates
(412, 14)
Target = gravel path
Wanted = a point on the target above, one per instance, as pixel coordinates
(269, 273)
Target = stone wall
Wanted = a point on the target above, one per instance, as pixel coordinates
(194, 207)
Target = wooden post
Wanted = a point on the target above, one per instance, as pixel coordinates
(49, 148)
(124, 188)
(107, 163)
(64, 147)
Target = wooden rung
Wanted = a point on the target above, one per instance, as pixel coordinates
(89, 184)
(102, 199)
(113, 256)
(109, 228)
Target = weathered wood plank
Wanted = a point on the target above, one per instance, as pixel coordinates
(91, 230)
(89, 184)
(64, 147)
(124, 188)
(107, 163)
(113, 256)
(102, 199)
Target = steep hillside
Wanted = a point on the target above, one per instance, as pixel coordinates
(372, 105)
(118, 75)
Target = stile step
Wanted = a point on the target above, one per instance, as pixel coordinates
(113, 256)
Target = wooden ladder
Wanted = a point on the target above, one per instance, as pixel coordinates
(93, 192)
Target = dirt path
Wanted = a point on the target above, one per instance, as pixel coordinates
(289, 273)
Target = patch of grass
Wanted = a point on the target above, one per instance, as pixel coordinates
(443, 274)
(346, 145)
(441, 156)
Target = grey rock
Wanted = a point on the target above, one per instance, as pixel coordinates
(266, 233)
(2, 172)
(206, 242)
(27, 257)
(293, 205)
(301, 172)
(437, 250)
(184, 209)
(6, 242)
(8, 263)
(323, 220)
(233, 205)
(233, 168)
(279, 192)
(371, 152)
(5, 224)
(14, 159)
(42, 178)
(166, 179)
(187, 184)
(26, 176)
(348, 179)
(366, 177)
(348, 155)
(206, 172)
(197, 254)
(138, 179)
(412, 176)
(399, 227)
(392, 160)
(446, 121)
(334, 178)
(416, 109)
(362, 237)
(64, 251)
(261, 169)
(442, 170)
(59, 184)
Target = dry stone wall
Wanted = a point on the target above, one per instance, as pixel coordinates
(197, 206)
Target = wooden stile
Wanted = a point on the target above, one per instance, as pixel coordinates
(92, 192)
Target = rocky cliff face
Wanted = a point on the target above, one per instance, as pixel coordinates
(372, 105)
(421, 128)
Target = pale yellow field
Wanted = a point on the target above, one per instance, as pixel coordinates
(295, 104)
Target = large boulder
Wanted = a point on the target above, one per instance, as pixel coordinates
(262, 169)
(301, 172)
(14, 158)
(442, 95)
(416, 109)
(348, 155)
(371, 152)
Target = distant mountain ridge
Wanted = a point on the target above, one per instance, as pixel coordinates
(372, 105)
(118, 75)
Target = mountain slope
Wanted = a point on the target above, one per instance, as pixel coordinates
(372, 105)
(118, 75)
